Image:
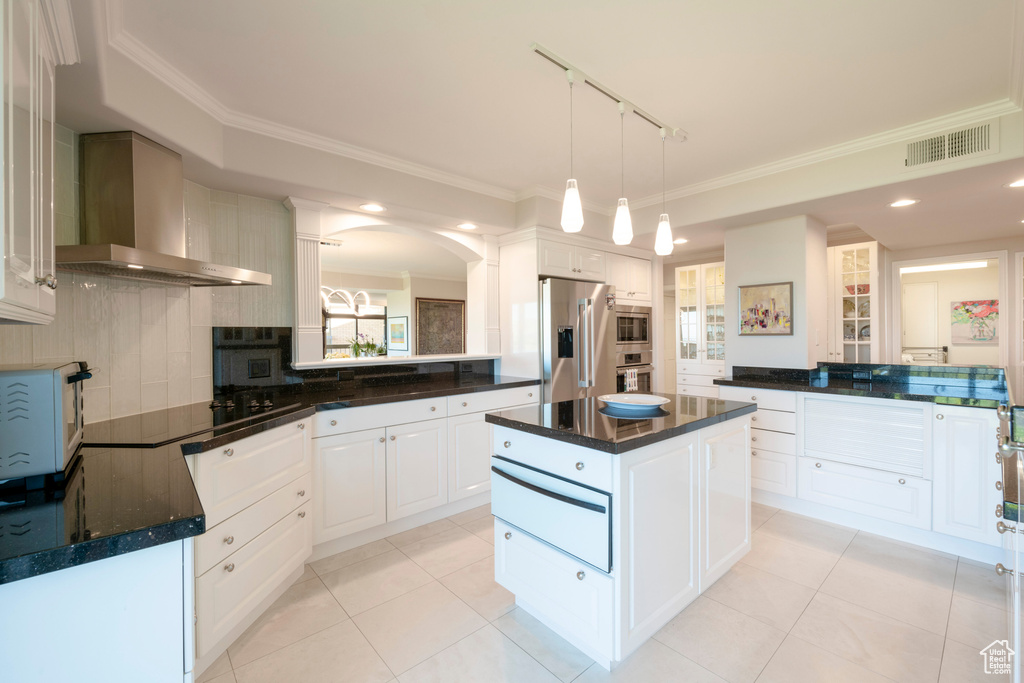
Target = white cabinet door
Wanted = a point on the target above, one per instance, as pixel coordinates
(631, 277)
(725, 498)
(774, 472)
(590, 264)
(417, 467)
(556, 259)
(700, 318)
(886, 495)
(854, 303)
(348, 484)
(964, 473)
(639, 270)
(469, 456)
(617, 272)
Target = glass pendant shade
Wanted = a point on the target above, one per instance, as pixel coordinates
(572, 208)
(663, 238)
(622, 229)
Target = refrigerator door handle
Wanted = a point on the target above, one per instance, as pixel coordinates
(592, 343)
(583, 361)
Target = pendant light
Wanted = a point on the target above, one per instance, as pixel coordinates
(572, 208)
(622, 229)
(663, 238)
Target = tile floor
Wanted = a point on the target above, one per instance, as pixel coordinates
(810, 602)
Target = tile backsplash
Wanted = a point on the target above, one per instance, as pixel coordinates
(151, 345)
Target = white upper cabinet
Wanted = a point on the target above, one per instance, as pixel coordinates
(631, 277)
(570, 261)
(853, 303)
(27, 276)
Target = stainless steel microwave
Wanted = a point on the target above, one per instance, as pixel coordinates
(633, 328)
(41, 423)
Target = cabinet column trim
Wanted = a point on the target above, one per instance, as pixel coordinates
(308, 337)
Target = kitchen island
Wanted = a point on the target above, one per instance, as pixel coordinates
(608, 524)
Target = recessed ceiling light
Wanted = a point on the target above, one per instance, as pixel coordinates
(134, 267)
(679, 240)
(466, 226)
(1016, 183)
(236, 282)
(903, 202)
(376, 208)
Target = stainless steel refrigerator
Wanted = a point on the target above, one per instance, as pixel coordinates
(577, 339)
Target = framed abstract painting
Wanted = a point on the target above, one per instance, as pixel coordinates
(766, 310)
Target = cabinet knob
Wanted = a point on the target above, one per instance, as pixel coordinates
(229, 540)
(433, 408)
(392, 437)
(302, 492)
(581, 575)
(999, 510)
(1003, 528)
(903, 481)
(508, 444)
(753, 419)
(753, 398)
(1000, 569)
(48, 281)
(229, 452)
(939, 416)
(999, 486)
(464, 404)
(817, 464)
(302, 514)
(530, 395)
(334, 423)
(753, 438)
(753, 452)
(580, 465)
(302, 425)
(508, 535)
(229, 567)
(381, 439)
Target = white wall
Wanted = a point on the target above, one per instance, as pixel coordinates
(791, 249)
(964, 285)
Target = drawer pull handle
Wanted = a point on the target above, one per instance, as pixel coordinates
(229, 452)
(229, 567)
(903, 481)
(939, 416)
(302, 425)
(334, 423)
(229, 540)
(302, 514)
(381, 439)
(753, 438)
(302, 492)
(508, 535)
(580, 466)
(464, 404)
(1003, 528)
(586, 505)
(530, 395)
(1000, 569)
(581, 575)
(433, 408)
(753, 398)
(753, 452)
(754, 419)
(508, 444)
(817, 464)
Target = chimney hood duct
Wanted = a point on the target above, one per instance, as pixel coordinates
(133, 217)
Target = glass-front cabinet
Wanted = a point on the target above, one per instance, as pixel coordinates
(853, 303)
(700, 328)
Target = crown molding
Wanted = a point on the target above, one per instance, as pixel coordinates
(299, 203)
(60, 28)
(963, 118)
(139, 53)
(427, 276)
(1017, 55)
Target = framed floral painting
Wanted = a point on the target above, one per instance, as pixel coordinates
(974, 322)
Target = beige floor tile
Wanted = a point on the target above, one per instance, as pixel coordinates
(486, 655)
(724, 641)
(421, 532)
(220, 666)
(469, 515)
(476, 587)
(229, 677)
(366, 584)
(976, 624)
(907, 545)
(882, 644)
(482, 528)
(809, 533)
(307, 574)
(980, 583)
(768, 598)
(304, 609)
(797, 661)
(448, 551)
(914, 587)
(652, 662)
(759, 514)
(418, 625)
(350, 557)
(556, 654)
(339, 653)
(965, 664)
(790, 561)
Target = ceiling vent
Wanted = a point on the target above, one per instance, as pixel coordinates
(958, 144)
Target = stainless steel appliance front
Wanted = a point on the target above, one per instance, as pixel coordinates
(577, 339)
(643, 379)
(633, 328)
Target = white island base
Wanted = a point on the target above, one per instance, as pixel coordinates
(679, 519)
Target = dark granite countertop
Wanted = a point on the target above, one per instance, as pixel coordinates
(114, 501)
(976, 387)
(591, 424)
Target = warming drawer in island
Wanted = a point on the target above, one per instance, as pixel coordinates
(578, 342)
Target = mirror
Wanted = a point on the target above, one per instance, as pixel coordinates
(371, 282)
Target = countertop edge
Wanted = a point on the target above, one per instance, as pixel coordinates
(859, 393)
(433, 393)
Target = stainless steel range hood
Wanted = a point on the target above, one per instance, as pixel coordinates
(132, 217)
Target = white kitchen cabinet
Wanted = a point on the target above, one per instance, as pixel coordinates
(417, 467)
(853, 306)
(27, 276)
(700, 327)
(469, 457)
(631, 277)
(350, 493)
(724, 498)
(964, 472)
(576, 262)
(773, 472)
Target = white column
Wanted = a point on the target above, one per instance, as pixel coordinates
(307, 334)
(483, 333)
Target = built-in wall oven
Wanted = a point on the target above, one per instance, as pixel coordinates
(633, 328)
(633, 378)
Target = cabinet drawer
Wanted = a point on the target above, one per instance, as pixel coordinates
(581, 465)
(691, 368)
(773, 441)
(775, 472)
(769, 399)
(481, 401)
(234, 477)
(383, 415)
(214, 546)
(775, 420)
(229, 591)
(577, 598)
(696, 380)
(697, 390)
(867, 491)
